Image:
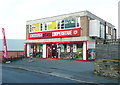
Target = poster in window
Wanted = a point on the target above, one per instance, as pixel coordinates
(35, 27)
(62, 48)
(68, 48)
(52, 25)
(74, 47)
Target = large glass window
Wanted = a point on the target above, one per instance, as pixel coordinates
(39, 50)
(36, 50)
(70, 23)
(70, 50)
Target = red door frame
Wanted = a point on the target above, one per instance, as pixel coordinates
(49, 45)
(87, 50)
(34, 50)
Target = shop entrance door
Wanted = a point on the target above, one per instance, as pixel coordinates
(49, 50)
(52, 51)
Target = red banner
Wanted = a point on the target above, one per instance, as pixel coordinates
(55, 33)
(5, 52)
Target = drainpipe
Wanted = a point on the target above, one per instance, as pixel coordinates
(105, 33)
(115, 33)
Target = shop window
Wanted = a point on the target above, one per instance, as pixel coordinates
(31, 49)
(68, 48)
(79, 53)
(36, 50)
(39, 50)
(61, 47)
(91, 54)
(71, 50)
(74, 47)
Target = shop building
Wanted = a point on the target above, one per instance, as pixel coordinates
(69, 36)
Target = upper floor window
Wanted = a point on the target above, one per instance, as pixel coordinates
(54, 25)
(69, 23)
(43, 26)
(30, 28)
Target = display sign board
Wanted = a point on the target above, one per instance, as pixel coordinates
(55, 33)
(35, 27)
(52, 25)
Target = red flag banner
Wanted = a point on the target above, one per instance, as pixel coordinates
(5, 52)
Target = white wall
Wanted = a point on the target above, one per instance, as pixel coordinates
(44, 50)
(28, 50)
(84, 51)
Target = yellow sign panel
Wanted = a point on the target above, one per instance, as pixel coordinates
(35, 27)
(52, 26)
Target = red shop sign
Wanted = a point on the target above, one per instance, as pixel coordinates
(55, 33)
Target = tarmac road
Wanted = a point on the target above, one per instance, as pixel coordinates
(10, 75)
(78, 71)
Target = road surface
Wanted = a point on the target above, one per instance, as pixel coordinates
(10, 75)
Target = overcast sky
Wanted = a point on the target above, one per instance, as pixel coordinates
(15, 13)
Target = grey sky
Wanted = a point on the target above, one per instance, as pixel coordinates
(15, 13)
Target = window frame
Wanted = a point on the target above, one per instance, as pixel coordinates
(77, 21)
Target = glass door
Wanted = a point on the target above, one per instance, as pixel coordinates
(49, 50)
(54, 51)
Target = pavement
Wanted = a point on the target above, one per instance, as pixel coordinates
(80, 71)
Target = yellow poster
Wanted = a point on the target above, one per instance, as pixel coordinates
(52, 25)
(35, 27)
